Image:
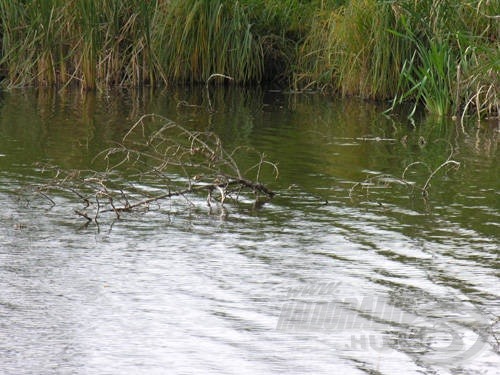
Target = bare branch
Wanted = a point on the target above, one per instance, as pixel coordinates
(157, 159)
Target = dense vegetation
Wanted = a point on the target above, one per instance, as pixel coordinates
(442, 53)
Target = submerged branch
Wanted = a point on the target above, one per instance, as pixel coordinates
(387, 180)
(222, 188)
(169, 159)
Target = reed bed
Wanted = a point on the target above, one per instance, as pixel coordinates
(349, 50)
(57, 42)
(202, 37)
(442, 54)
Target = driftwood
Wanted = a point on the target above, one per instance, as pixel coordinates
(165, 160)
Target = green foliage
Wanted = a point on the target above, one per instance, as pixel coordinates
(202, 37)
(429, 74)
(452, 70)
(49, 42)
(350, 50)
(442, 53)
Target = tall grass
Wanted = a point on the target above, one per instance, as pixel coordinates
(429, 73)
(114, 42)
(349, 50)
(443, 54)
(31, 41)
(202, 37)
(47, 42)
(452, 70)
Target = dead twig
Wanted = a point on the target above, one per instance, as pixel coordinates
(385, 180)
(158, 159)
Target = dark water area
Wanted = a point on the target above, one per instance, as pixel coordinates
(347, 270)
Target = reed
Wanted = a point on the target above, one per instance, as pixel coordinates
(441, 53)
(429, 73)
(452, 70)
(202, 37)
(350, 51)
(29, 42)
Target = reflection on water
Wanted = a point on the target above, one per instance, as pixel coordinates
(376, 281)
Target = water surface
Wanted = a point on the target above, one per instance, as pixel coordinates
(347, 270)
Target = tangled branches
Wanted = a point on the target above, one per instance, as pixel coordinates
(155, 162)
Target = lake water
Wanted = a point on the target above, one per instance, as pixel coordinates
(347, 270)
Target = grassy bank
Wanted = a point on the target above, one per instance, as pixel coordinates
(444, 54)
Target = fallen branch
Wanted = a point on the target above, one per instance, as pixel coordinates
(255, 187)
(164, 160)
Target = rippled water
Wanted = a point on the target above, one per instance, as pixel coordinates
(343, 272)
